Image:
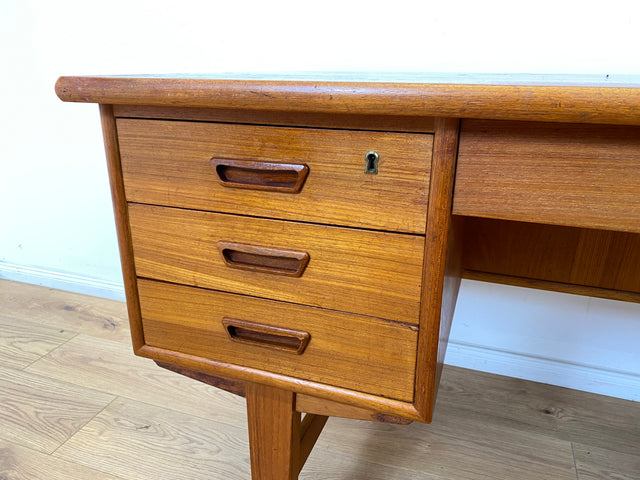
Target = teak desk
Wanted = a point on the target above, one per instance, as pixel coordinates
(301, 242)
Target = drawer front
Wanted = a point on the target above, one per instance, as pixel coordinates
(168, 163)
(349, 351)
(576, 175)
(350, 270)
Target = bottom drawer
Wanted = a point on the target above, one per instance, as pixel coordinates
(349, 351)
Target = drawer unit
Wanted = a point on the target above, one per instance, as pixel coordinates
(169, 163)
(279, 255)
(310, 254)
(270, 250)
(357, 271)
(355, 352)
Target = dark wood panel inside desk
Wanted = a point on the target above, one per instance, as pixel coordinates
(553, 257)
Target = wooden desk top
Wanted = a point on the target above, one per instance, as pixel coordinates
(577, 99)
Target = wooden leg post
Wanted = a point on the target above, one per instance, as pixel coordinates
(279, 442)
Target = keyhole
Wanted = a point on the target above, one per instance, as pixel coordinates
(371, 162)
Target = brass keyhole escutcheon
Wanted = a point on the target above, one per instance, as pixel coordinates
(371, 162)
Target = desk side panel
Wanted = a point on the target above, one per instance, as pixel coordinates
(442, 271)
(121, 212)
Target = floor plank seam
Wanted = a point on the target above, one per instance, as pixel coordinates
(25, 368)
(575, 465)
(80, 383)
(63, 382)
(115, 397)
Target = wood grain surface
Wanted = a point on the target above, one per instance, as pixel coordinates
(108, 366)
(318, 406)
(134, 440)
(23, 342)
(167, 163)
(601, 259)
(120, 211)
(386, 123)
(486, 426)
(304, 403)
(499, 452)
(349, 351)
(44, 308)
(540, 409)
(41, 413)
(274, 433)
(350, 270)
(21, 463)
(591, 104)
(442, 272)
(576, 175)
(596, 463)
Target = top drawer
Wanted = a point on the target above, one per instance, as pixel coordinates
(168, 163)
(563, 174)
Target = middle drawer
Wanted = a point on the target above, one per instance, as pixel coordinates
(351, 270)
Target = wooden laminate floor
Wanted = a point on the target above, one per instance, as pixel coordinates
(76, 404)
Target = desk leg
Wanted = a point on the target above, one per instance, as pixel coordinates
(274, 433)
(279, 442)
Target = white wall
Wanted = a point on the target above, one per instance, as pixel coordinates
(55, 212)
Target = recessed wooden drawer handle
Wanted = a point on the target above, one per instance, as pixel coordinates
(263, 259)
(257, 175)
(242, 331)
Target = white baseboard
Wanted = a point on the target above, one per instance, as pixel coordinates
(578, 377)
(62, 281)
